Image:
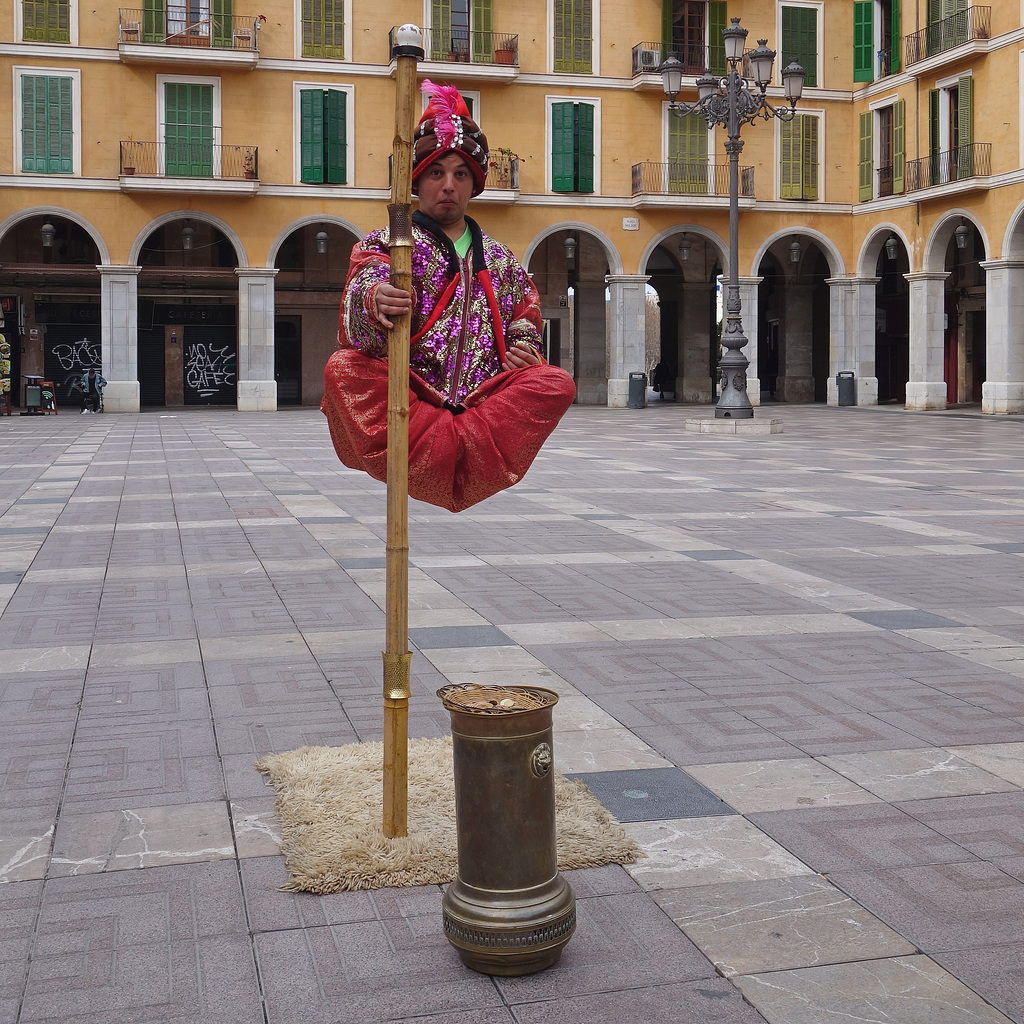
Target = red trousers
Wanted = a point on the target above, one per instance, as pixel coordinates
(455, 459)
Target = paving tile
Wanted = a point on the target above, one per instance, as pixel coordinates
(942, 907)
(709, 1001)
(778, 924)
(458, 636)
(909, 619)
(707, 851)
(1004, 760)
(996, 973)
(652, 794)
(990, 827)
(613, 750)
(915, 774)
(910, 989)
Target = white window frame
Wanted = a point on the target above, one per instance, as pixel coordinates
(595, 40)
(19, 25)
(819, 113)
(875, 106)
(350, 131)
(161, 118)
(595, 102)
(944, 85)
(783, 59)
(75, 74)
(347, 59)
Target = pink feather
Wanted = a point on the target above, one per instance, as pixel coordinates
(445, 101)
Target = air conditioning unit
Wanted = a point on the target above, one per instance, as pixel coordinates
(650, 58)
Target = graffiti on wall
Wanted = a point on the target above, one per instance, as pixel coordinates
(209, 369)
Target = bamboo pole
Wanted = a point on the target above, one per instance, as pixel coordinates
(396, 654)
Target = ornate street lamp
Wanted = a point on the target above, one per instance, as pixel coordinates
(732, 102)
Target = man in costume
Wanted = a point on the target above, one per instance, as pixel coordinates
(482, 399)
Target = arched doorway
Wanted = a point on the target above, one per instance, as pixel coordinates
(187, 316)
(312, 265)
(964, 340)
(892, 320)
(50, 303)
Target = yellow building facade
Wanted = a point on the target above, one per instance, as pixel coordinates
(181, 184)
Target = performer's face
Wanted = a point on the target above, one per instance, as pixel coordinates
(445, 189)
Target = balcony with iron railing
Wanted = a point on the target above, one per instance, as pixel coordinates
(648, 57)
(885, 181)
(168, 34)
(967, 26)
(487, 54)
(197, 166)
(963, 164)
(689, 178)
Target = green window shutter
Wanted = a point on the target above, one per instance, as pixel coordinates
(865, 163)
(440, 29)
(311, 135)
(481, 39)
(933, 135)
(47, 125)
(863, 40)
(965, 127)
(323, 28)
(894, 24)
(584, 147)
(687, 155)
(563, 147)
(573, 31)
(800, 40)
(934, 11)
(718, 20)
(666, 28)
(222, 16)
(583, 33)
(789, 170)
(335, 133)
(899, 146)
(154, 21)
(46, 21)
(188, 130)
(809, 155)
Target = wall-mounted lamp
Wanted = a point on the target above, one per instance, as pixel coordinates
(47, 231)
(321, 242)
(570, 252)
(794, 251)
(961, 235)
(684, 248)
(892, 247)
(188, 235)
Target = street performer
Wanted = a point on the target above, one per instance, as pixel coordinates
(482, 399)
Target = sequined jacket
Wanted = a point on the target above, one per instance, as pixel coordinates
(467, 311)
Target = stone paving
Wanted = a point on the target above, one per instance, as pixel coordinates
(792, 664)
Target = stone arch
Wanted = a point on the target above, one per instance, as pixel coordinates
(871, 247)
(935, 246)
(198, 215)
(58, 211)
(301, 222)
(828, 248)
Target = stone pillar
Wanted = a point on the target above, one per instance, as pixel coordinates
(694, 381)
(119, 337)
(590, 344)
(926, 388)
(1003, 391)
(852, 336)
(257, 389)
(796, 344)
(628, 342)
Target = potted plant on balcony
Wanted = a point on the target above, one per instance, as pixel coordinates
(504, 55)
(128, 157)
(249, 164)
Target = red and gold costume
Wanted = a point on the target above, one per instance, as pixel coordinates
(474, 428)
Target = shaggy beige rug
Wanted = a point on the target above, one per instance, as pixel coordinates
(329, 806)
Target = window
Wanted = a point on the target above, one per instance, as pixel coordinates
(948, 25)
(876, 34)
(323, 28)
(800, 40)
(692, 30)
(687, 154)
(323, 136)
(461, 30)
(47, 141)
(188, 22)
(188, 119)
(46, 21)
(572, 147)
(573, 35)
(882, 148)
(951, 131)
(800, 159)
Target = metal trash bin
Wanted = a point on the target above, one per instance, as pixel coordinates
(638, 391)
(847, 387)
(509, 911)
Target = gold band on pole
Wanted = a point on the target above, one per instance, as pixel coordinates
(396, 655)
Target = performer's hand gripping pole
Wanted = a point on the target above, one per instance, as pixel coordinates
(407, 50)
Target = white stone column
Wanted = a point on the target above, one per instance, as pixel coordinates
(257, 389)
(628, 328)
(852, 336)
(119, 336)
(1003, 391)
(926, 388)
